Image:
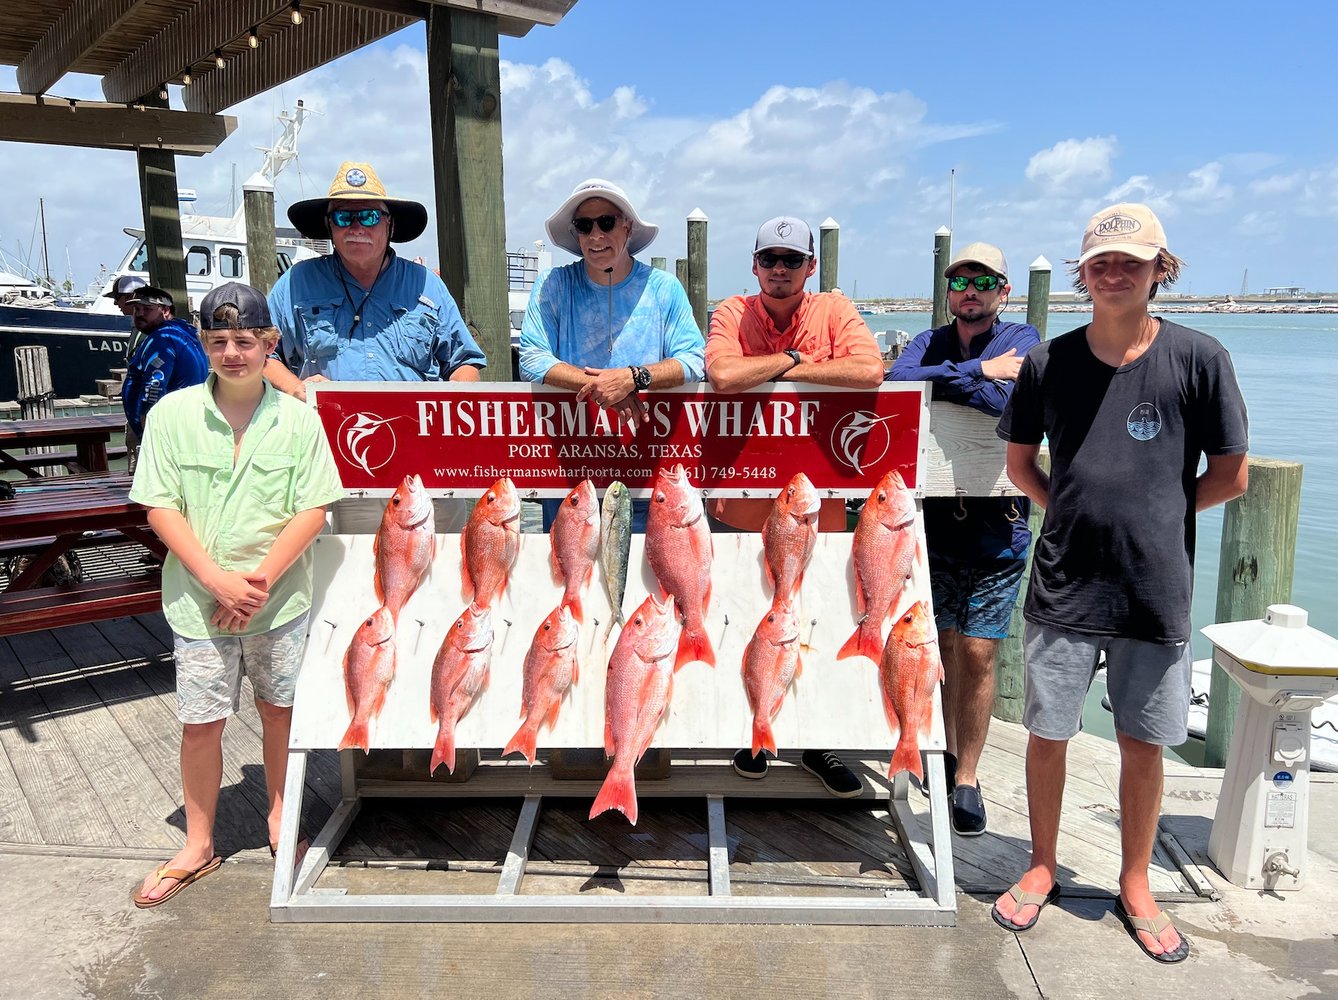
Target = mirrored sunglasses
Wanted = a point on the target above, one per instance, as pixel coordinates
(342, 218)
(586, 226)
(983, 282)
(793, 261)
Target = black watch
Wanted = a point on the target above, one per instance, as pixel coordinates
(640, 378)
(795, 356)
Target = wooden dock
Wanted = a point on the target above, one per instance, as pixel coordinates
(88, 766)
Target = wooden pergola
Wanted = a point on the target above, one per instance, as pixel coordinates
(222, 52)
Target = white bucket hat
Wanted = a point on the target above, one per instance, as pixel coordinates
(561, 233)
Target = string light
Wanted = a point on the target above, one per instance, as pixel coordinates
(297, 11)
(253, 39)
(185, 77)
(218, 58)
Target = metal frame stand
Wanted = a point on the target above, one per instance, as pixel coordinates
(295, 897)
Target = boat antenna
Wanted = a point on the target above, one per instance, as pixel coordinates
(952, 196)
(46, 260)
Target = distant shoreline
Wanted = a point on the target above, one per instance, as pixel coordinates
(1170, 304)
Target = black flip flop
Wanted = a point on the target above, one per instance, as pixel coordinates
(1024, 898)
(1154, 926)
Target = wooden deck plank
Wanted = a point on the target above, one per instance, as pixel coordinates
(862, 830)
(17, 823)
(807, 849)
(63, 803)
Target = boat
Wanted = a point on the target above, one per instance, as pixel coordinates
(85, 344)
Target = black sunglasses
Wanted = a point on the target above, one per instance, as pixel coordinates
(586, 226)
(983, 282)
(793, 261)
(342, 218)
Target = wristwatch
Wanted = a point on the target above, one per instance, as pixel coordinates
(640, 378)
(795, 356)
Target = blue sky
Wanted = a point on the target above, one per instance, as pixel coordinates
(1216, 116)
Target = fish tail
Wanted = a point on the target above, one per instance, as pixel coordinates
(572, 599)
(443, 751)
(356, 736)
(694, 645)
(864, 642)
(763, 737)
(907, 755)
(525, 741)
(617, 792)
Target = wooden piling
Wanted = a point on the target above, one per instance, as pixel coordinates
(35, 396)
(262, 267)
(659, 263)
(681, 271)
(464, 84)
(1038, 295)
(1255, 570)
(829, 248)
(1009, 664)
(942, 254)
(697, 223)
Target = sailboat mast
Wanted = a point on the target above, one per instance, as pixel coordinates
(46, 261)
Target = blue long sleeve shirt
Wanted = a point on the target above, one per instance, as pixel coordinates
(643, 319)
(166, 358)
(970, 527)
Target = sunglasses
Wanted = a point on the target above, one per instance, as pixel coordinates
(793, 261)
(983, 282)
(587, 226)
(342, 218)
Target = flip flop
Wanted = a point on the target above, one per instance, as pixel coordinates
(1154, 926)
(184, 877)
(1024, 898)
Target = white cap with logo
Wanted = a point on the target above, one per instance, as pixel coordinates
(1124, 228)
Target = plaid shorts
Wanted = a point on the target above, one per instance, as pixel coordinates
(975, 598)
(209, 671)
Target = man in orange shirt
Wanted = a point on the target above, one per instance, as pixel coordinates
(785, 334)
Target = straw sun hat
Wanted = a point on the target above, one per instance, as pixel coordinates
(358, 182)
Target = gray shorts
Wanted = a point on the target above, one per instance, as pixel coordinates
(1148, 684)
(209, 671)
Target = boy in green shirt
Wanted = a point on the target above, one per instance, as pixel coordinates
(236, 475)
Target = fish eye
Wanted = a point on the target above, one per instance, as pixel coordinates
(881, 496)
(547, 627)
(575, 501)
(638, 620)
(659, 498)
(771, 617)
(397, 499)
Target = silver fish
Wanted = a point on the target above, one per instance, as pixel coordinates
(615, 545)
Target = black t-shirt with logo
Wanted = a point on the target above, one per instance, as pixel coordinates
(1115, 555)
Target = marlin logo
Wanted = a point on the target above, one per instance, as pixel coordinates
(367, 441)
(858, 435)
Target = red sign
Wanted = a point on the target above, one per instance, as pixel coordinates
(462, 437)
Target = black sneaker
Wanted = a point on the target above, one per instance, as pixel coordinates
(968, 810)
(748, 766)
(949, 772)
(838, 779)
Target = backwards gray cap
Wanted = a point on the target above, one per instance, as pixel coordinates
(252, 308)
(785, 233)
(124, 285)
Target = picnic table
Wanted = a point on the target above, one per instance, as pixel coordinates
(89, 435)
(45, 523)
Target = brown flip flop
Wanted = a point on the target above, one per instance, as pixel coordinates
(184, 877)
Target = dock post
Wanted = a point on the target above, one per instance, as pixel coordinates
(465, 90)
(681, 271)
(1038, 295)
(1255, 570)
(35, 396)
(262, 267)
(1009, 666)
(942, 254)
(659, 263)
(829, 249)
(696, 286)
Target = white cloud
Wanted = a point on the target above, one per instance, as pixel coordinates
(1071, 162)
(1205, 185)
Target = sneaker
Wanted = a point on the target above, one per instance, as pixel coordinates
(968, 810)
(748, 766)
(949, 772)
(838, 779)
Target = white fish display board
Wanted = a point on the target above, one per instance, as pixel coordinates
(834, 705)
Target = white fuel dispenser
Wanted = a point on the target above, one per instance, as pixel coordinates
(1286, 669)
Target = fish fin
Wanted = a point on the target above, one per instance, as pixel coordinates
(609, 749)
(907, 756)
(617, 792)
(852, 646)
(763, 737)
(576, 674)
(706, 599)
(356, 736)
(554, 565)
(771, 581)
(525, 741)
(466, 580)
(443, 751)
(798, 669)
(551, 718)
(859, 594)
(693, 646)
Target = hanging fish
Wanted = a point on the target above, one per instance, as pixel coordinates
(615, 546)
(575, 544)
(404, 544)
(459, 675)
(369, 667)
(550, 671)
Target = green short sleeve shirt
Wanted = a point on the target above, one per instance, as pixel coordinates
(235, 509)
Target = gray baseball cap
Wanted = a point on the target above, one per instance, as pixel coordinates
(124, 285)
(147, 295)
(252, 308)
(785, 233)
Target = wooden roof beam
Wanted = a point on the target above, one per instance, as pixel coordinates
(325, 34)
(66, 122)
(73, 34)
(189, 41)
